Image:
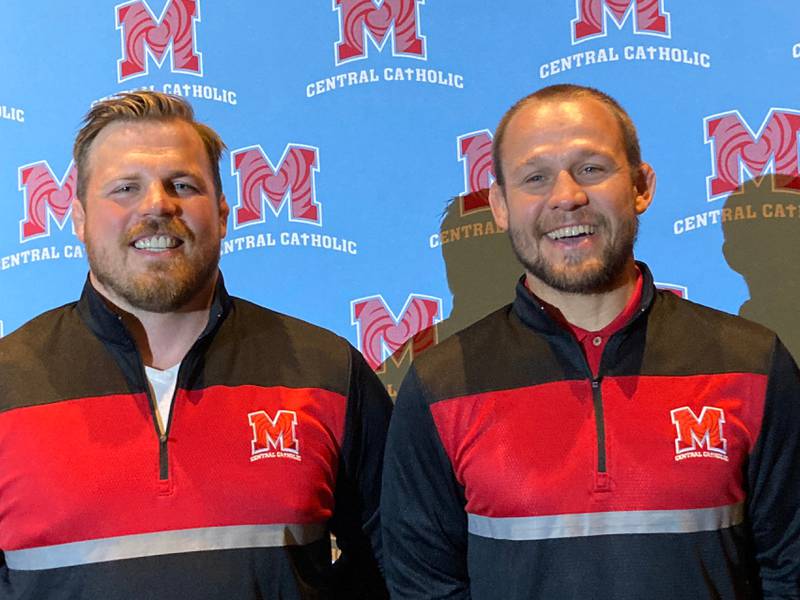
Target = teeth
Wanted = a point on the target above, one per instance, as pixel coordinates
(571, 231)
(156, 243)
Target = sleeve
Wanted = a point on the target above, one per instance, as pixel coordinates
(423, 516)
(356, 522)
(774, 482)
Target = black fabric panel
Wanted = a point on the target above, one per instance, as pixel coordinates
(520, 345)
(684, 338)
(618, 567)
(257, 346)
(498, 352)
(55, 357)
(290, 573)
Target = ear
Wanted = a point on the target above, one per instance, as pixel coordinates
(645, 188)
(224, 211)
(497, 202)
(79, 220)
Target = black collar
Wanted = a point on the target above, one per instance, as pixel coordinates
(108, 326)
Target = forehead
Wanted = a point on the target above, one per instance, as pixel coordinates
(147, 143)
(555, 124)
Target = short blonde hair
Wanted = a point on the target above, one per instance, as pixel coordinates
(142, 106)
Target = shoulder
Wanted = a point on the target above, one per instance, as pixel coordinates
(709, 335)
(272, 348)
(43, 333)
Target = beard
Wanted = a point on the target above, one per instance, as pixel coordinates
(579, 274)
(161, 287)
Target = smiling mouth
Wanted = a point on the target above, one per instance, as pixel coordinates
(157, 243)
(571, 232)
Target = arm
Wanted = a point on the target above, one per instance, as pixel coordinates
(774, 482)
(423, 517)
(356, 521)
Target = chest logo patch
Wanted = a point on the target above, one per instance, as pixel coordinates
(274, 437)
(699, 437)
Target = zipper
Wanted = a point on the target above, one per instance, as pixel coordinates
(163, 436)
(601, 478)
(600, 425)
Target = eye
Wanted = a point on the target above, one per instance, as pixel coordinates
(123, 189)
(183, 186)
(534, 178)
(591, 172)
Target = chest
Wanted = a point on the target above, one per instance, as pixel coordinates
(230, 456)
(623, 444)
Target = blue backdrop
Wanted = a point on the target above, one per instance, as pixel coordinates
(356, 126)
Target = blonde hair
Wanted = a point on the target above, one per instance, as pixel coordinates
(142, 106)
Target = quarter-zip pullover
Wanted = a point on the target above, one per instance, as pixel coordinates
(274, 441)
(514, 472)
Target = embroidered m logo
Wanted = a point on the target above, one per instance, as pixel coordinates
(696, 433)
(278, 434)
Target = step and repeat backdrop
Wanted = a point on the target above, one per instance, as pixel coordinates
(359, 136)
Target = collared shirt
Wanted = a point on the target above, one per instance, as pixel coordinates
(594, 342)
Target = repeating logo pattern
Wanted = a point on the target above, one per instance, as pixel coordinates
(475, 151)
(360, 20)
(291, 182)
(649, 18)
(737, 153)
(699, 436)
(381, 334)
(45, 195)
(274, 437)
(143, 34)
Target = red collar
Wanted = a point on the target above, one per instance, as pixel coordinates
(594, 342)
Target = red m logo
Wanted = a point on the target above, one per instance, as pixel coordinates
(703, 432)
(381, 334)
(374, 18)
(143, 33)
(274, 434)
(475, 151)
(651, 19)
(44, 194)
(293, 178)
(737, 152)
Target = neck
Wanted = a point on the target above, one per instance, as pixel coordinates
(591, 311)
(162, 339)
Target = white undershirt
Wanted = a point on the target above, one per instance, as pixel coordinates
(162, 386)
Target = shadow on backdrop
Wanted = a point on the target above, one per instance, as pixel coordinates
(482, 272)
(761, 226)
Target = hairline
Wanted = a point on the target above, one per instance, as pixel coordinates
(564, 92)
(142, 107)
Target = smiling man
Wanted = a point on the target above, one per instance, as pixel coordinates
(597, 438)
(162, 439)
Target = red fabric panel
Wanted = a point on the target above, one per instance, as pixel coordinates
(89, 468)
(533, 451)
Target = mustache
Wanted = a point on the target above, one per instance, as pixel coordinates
(597, 220)
(152, 226)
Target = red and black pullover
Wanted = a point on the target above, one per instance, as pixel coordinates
(274, 441)
(512, 472)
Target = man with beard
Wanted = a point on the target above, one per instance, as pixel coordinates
(597, 438)
(162, 439)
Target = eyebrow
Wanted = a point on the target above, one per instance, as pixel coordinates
(579, 154)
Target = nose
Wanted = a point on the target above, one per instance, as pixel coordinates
(158, 201)
(567, 194)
